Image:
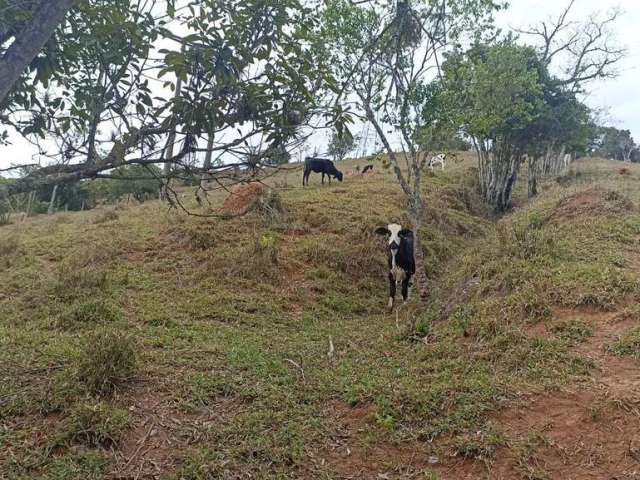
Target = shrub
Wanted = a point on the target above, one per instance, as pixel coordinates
(200, 239)
(258, 259)
(106, 216)
(266, 248)
(9, 246)
(106, 360)
(88, 313)
(99, 425)
(271, 209)
(73, 282)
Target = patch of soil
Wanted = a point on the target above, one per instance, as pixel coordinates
(161, 436)
(242, 198)
(588, 203)
(589, 432)
(351, 455)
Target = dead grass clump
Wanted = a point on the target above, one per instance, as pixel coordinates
(71, 283)
(106, 216)
(624, 171)
(107, 359)
(271, 210)
(9, 246)
(200, 239)
(525, 242)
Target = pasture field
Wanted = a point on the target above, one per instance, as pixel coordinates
(140, 343)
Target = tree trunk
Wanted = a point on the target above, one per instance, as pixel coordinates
(422, 283)
(533, 172)
(29, 204)
(205, 167)
(498, 172)
(416, 214)
(29, 41)
(52, 202)
(168, 153)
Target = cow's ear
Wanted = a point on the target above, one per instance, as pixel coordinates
(382, 231)
(405, 233)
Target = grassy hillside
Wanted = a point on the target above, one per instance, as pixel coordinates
(140, 343)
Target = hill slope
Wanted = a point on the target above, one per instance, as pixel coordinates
(263, 350)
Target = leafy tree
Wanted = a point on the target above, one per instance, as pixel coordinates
(70, 196)
(341, 145)
(614, 143)
(25, 28)
(248, 87)
(562, 129)
(498, 96)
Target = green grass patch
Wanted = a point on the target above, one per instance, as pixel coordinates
(628, 345)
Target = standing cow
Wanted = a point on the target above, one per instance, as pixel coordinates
(320, 165)
(402, 264)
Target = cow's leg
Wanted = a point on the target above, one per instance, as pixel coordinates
(405, 287)
(322, 178)
(304, 178)
(392, 290)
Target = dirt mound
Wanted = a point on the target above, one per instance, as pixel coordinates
(242, 198)
(591, 202)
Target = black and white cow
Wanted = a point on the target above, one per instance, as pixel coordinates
(367, 168)
(320, 165)
(402, 264)
(440, 158)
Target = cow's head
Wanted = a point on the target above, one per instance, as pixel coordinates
(338, 175)
(394, 233)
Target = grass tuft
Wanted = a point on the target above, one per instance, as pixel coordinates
(106, 216)
(94, 425)
(107, 359)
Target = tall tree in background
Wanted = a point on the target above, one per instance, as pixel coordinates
(573, 54)
(498, 96)
(341, 145)
(615, 143)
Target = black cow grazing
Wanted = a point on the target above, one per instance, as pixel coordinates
(320, 165)
(402, 264)
(367, 168)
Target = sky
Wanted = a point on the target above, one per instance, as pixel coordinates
(619, 98)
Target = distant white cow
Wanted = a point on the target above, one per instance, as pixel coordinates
(440, 158)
